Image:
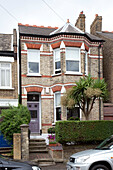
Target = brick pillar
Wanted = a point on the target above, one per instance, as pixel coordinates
(17, 146)
(25, 142)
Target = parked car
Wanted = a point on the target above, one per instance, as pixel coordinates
(8, 164)
(100, 158)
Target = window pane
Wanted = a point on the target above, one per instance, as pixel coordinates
(5, 65)
(33, 67)
(33, 97)
(7, 77)
(72, 54)
(57, 99)
(57, 65)
(72, 66)
(75, 113)
(33, 113)
(2, 77)
(58, 113)
(57, 55)
(33, 55)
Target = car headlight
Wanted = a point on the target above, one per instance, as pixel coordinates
(81, 159)
(35, 168)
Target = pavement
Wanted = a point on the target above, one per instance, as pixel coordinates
(58, 166)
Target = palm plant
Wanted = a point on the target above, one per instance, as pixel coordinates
(84, 94)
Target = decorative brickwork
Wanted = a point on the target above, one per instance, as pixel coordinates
(34, 89)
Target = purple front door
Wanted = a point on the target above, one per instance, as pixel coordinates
(34, 110)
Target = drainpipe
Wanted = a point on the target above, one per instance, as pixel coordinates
(20, 90)
(99, 78)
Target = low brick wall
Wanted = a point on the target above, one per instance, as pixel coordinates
(68, 150)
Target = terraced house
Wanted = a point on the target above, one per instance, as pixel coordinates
(51, 59)
(8, 70)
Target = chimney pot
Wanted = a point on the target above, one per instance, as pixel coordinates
(67, 20)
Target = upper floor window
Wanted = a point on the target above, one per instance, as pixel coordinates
(33, 61)
(5, 75)
(57, 111)
(72, 59)
(57, 62)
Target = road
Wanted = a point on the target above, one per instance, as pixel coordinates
(58, 166)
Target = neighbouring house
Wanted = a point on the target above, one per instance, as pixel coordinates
(50, 60)
(8, 70)
(96, 29)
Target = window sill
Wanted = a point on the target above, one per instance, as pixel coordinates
(6, 88)
(56, 74)
(33, 75)
(74, 73)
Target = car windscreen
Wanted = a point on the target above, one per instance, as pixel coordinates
(106, 144)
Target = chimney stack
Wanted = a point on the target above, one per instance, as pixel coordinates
(96, 25)
(80, 23)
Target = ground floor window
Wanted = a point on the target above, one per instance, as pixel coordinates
(73, 113)
(57, 105)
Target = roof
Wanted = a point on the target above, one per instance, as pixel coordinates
(68, 28)
(35, 30)
(106, 34)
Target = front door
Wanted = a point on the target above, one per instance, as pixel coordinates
(34, 123)
(33, 101)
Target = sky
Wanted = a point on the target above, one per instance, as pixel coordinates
(53, 13)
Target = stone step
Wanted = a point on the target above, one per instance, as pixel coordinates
(38, 151)
(5, 150)
(37, 143)
(37, 147)
(45, 162)
(37, 140)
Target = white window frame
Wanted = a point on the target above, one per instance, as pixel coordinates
(79, 59)
(86, 62)
(34, 61)
(56, 106)
(57, 50)
(6, 68)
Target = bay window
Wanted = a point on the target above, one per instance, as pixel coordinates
(57, 97)
(57, 62)
(5, 75)
(33, 61)
(72, 59)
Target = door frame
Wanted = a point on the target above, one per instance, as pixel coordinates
(40, 125)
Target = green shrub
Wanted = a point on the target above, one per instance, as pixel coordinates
(51, 130)
(83, 131)
(12, 118)
(72, 118)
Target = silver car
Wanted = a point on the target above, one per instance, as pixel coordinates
(100, 158)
